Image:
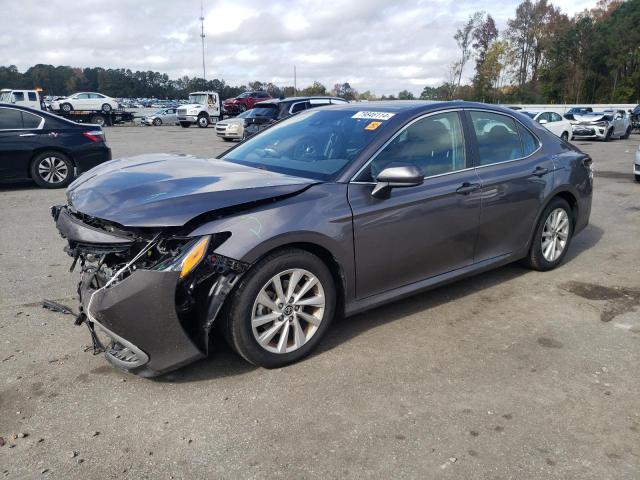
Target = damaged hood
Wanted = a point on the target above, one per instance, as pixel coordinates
(163, 190)
(592, 118)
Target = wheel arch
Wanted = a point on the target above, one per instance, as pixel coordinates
(327, 257)
(565, 193)
(39, 150)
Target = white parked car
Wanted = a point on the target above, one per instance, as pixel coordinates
(85, 101)
(561, 127)
(636, 166)
(602, 125)
(232, 128)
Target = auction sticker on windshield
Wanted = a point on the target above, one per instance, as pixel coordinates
(374, 115)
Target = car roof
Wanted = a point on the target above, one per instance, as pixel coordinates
(300, 99)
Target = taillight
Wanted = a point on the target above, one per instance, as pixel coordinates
(95, 135)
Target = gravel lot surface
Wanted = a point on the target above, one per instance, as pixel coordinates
(513, 374)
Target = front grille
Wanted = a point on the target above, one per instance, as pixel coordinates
(182, 111)
(221, 128)
(584, 131)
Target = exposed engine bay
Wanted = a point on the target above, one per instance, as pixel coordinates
(123, 271)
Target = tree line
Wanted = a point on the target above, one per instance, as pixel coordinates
(542, 56)
(125, 83)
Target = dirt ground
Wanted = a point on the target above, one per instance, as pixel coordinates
(512, 374)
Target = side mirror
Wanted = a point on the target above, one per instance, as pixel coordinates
(543, 121)
(396, 177)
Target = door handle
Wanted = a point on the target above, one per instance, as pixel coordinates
(27, 134)
(466, 188)
(540, 171)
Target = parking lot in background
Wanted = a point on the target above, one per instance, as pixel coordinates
(510, 374)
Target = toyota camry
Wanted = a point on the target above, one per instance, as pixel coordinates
(331, 212)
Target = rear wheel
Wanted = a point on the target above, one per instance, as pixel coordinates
(157, 122)
(98, 119)
(552, 237)
(281, 308)
(203, 121)
(185, 124)
(52, 169)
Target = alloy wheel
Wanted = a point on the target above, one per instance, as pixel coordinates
(53, 170)
(288, 311)
(555, 234)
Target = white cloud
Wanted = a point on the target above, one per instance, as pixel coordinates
(376, 45)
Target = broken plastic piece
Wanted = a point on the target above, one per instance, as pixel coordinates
(57, 307)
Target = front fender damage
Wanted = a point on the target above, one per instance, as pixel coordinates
(142, 314)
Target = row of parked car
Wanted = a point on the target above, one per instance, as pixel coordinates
(584, 123)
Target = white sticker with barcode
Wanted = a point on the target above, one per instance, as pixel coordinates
(374, 115)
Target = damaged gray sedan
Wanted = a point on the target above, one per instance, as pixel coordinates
(331, 212)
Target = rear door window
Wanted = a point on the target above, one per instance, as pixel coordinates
(497, 137)
(10, 119)
(33, 97)
(30, 121)
(298, 107)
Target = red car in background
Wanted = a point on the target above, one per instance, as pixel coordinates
(244, 101)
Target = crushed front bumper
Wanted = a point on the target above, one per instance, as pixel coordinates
(138, 315)
(589, 131)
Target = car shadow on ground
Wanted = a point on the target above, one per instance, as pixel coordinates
(225, 362)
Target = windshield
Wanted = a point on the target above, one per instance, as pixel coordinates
(270, 111)
(243, 95)
(5, 97)
(315, 144)
(198, 98)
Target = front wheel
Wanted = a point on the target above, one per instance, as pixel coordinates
(608, 135)
(552, 237)
(185, 124)
(565, 136)
(637, 178)
(66, 107)
(106, 108)
(281, 308)
(627, 133)
(203, 121)
(52, 170)
(157, 122)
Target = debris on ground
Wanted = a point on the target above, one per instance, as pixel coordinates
(2, 442)
(57, 307)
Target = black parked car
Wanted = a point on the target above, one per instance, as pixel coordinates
(333, 211)
(264, 114)
(46, 148)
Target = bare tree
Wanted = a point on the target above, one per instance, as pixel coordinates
(464, 37)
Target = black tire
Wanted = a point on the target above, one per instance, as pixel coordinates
(565, 136)
(185, 124)
(227, 139)
(637, 178)
(157, 122)
(241, 108)
(106, 108)
(46, 160)
(203, 121)
(536, 259)
(237, 326)
(608, 136)
(66, 107)
(98, 119)
(627, 134)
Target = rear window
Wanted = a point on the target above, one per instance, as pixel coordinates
(263, 111)
(10, 119)
(30, 121)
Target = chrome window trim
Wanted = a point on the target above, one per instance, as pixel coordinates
(297, 103)
(39, 127)
(426, 115)
(515, 120)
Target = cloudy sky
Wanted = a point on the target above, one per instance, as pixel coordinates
(378, 45)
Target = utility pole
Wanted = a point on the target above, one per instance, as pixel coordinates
(204, 69)
(295, 84)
